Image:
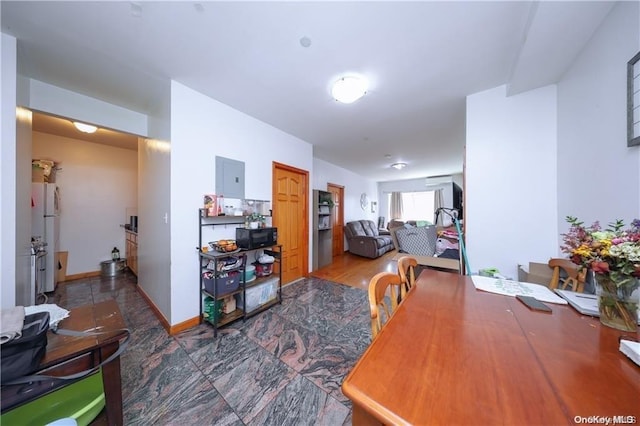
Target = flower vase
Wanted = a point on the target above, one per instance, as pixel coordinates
(618, 300)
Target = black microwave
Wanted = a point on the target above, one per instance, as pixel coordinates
(247, 238)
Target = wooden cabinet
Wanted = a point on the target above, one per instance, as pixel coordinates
(131, 251)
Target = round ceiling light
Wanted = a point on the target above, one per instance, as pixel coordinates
(399, 166)
(86, 128)
(349, 89)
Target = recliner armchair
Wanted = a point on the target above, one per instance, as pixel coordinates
(365, 240)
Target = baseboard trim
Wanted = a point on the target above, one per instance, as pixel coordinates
(184, 325)
(154, 308)
(80, 276)
(171, 329)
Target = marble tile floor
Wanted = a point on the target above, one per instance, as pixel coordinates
(283, 366)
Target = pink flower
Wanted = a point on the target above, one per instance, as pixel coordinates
(600, 267)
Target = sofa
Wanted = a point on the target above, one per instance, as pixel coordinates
(422, 243)
(365, 240)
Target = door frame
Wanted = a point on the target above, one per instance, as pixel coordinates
(305, 214)
(340, 206)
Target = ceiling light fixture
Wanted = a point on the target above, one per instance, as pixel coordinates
(399, 166)
(86, 128)
(349, 89)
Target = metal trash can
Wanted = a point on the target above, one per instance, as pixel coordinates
(111, 268)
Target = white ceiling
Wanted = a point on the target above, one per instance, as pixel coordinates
(421, 58)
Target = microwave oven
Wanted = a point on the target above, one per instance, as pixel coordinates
(250, 239)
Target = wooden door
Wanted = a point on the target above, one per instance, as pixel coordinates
(291, 217)
(338, 218)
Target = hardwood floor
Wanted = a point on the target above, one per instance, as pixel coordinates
(356, 271)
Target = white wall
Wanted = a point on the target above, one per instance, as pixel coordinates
(154, 232)
(354, 186)
(8, 171)
(97, 183)
(154, 202)
(201, 129)
(598, 175)
(511, 202)
(23, 206)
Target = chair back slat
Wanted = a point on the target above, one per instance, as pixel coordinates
(378, 305)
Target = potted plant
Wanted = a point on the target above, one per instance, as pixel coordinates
(326, 199)
(254, 220)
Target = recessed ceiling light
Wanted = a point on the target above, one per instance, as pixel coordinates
(349, 89)
(399, 166)
(86, 128)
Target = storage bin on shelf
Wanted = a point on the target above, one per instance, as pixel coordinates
(259, 295)
(224, 263)
(225, 283)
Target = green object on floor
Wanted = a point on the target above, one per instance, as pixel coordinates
(82, 401)
(488, 272)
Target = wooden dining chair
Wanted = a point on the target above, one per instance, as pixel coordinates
(407, 273)
(575, 276)
(377, 304)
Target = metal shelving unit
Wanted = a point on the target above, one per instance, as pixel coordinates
(212, 261)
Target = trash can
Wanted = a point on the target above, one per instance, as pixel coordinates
(112, 268)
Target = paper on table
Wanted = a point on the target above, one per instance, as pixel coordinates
(630, 349)
(515, 288)
(586, 304)
(56, 313)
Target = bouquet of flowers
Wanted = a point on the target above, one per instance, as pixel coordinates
(614, 250)
(613, 254)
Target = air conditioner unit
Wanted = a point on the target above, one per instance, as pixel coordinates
(438, 180)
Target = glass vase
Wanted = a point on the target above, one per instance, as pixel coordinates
(618, 301)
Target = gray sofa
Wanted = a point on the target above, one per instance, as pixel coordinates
(365, 240)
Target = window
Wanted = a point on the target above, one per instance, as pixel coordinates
(416, 205)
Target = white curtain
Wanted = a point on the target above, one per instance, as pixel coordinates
(395, 209)
(438, 202)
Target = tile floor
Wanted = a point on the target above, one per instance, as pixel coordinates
(281, 367)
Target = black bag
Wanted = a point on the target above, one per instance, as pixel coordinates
(22, 356)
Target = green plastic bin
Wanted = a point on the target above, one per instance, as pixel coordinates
(81, 401)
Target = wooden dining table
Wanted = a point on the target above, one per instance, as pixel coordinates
(454, 355)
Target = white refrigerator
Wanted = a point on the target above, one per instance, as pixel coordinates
(45, 226)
